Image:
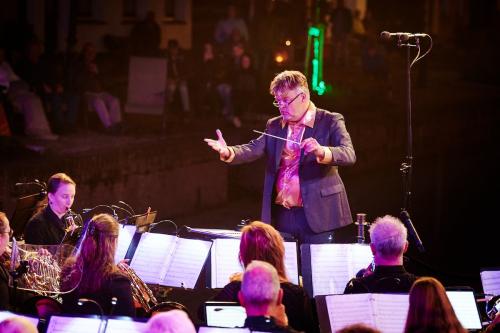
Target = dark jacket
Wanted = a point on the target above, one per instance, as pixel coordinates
(385, 279)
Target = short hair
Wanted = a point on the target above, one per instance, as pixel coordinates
(388, 235)
(260, 284)
(288, 80)
(358, 328)
(17, 325)
(56, 180)
(261, 241)
(430, 309)
(173, 321)
(3, 221)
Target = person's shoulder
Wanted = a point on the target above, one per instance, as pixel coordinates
(329, 114)
(358, 285)
(292, 287)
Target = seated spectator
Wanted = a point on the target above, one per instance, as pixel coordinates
(94, 272)
(260, 241)
(245, 85)
(430, 309)
(261, 296)
(227, 25)
(358, 328)
(177, 75)
(17, 325)
(173, 321)
(388, 244)
(24, 101)
(106, 105)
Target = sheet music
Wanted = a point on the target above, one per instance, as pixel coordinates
(333, 265)
(126, 326)
(390, 311)
(349, 309)
(464, 305)
(291, 263)
(219, 232)
(124, 239)
(152, 255)
(205, 329)
(7, 314)
(60, 324)
(186, 263)
(490, 279)
(226, 316)
(224, 261)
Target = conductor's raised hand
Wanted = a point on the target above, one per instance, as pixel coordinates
(219, 145)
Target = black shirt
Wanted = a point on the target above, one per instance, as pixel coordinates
(385, 279)
(295, 300)
(265, 324)
(117, 286)
(44, 228)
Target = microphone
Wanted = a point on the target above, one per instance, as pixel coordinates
(405, 218)
(114, 300)
(401, 36)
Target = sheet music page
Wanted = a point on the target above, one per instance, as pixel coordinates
(205, 329)
(464, 305)
(126, 326)
(186, 263)
(390, 311)
(226, 316)
(152, 255)
(491, 281)
(59, 324)
(291, 263)
(124, 239)
(349, 309)
(333, 265)
(219, 232)
(224, 261)
(7, 314)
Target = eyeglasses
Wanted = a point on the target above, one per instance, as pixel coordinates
(278, 104)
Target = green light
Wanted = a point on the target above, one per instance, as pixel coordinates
(315, 43)
(313, 31)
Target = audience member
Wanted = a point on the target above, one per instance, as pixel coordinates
(48, 225)
(94, 272)
(106, 105)
(17, 325)
(225, 26)
(177, 75)
(145, 36)
(245, 85)
(388, 244)
(24, 101)
(358, 328)
(430, 309)
(261, 296)
(260, 241)
(173, 321)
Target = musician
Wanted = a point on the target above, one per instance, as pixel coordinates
(5, 233)
(49, 225)
(260, 241)
(95, 273)
(303, 193)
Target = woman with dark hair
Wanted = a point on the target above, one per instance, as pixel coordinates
(95, 274)
(49, 225)
(260, 241)
(430, 309)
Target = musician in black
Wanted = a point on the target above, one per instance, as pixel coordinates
(388, 244)
(52, 223)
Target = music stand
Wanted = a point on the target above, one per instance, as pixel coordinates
(143, 221)
(25, 207)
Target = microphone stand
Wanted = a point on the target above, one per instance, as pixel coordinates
(406, 165)
(82, 301)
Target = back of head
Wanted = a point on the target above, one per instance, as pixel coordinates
(260, 285)
(430, 309)
(17, 325)
(288, 80)
(388, 236)
(174, 321)
(358, 328)
(4, 222)
(260, 241)
(96, 258)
